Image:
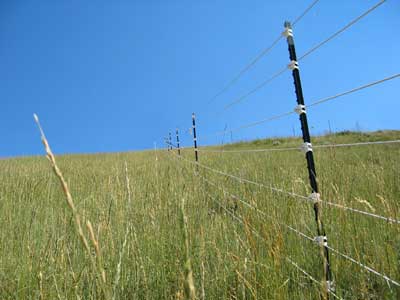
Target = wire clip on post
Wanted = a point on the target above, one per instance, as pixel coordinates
(330, 285)
(170, 140)
(293, 65)
(315, 197)
(166, 142)
(307, 149)
(177, 142)
(321, 240)
(288, 32)
(196, 154)
(300, 109)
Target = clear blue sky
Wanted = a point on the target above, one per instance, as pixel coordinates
(109, 76)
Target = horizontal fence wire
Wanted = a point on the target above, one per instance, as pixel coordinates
(297, 20)
(326, 99)
(307, 53)
(249, 150)
(369, 269)
(257, 88)
(362, 212)
(272, 188)
(354, 21)
(294, 264)
(252, 124)
(242, 222)
(172, 145)
(314, 240)
(237, 217)
(342, 255)
(299, 148)
(290, 228)
(312, 104)
(176, 147)
(246, 68)
(301, 234)
(263, 53)
(294, 195)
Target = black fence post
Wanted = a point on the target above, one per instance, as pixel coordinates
(177, 142)
(196, 155)
(307, 148)
(166, 142)
(170, 140)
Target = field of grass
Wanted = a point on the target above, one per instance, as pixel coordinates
(134, 203)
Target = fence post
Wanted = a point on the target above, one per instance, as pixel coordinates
(177, 142)
(170, 140)
(166, 142)
(196, 155)
(307, 148)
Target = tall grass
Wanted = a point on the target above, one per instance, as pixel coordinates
(133, 202)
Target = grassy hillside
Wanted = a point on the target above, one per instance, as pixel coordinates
(133, 201)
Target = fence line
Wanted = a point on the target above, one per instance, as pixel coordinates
(305, 12)
(257, 88)
(314, 240)
(326, 99)
(329, 290)
(304, 198)
(260, 55)
(247, 67)
(240, 220)
(299, 148)
(290, 228)
(281, 71)
(303, 234)
(362, 212)
(249, 150)
(321, 238)
(252, 124)
(311, 198)
(369, 269)
(329, 203)
(314, 103)
(246, 180)
(342, 29)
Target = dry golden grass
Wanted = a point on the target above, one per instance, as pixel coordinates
(137, 239)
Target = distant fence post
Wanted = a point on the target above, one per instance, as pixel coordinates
(196, 155)
(170, 140)
(177, 142)
(307, 148)
(166, 142)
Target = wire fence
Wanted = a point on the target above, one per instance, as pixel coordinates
(307, 53)
(240, 220)
(263, 53)
(301, 234)
(204, 171)
(294, 196)
(313, 104)
(299, 148)
(290, 228)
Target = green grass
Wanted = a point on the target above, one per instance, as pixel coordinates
(41, 256)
